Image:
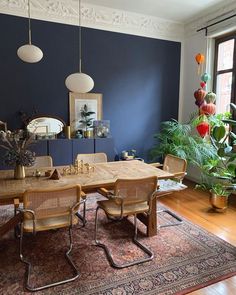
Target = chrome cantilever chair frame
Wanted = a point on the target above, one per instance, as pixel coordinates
(177, 166)
(135, 238)
(83, 217)
(108, 253)
(172, 186)
(67, 253)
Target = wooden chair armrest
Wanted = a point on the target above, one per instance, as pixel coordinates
(83, 195)
(16, 202)
(16, 205)
(103, 191)
(157, 164)
(106, 193)
(180, 174)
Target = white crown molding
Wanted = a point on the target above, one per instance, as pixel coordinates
(97, 17)
(220, 12)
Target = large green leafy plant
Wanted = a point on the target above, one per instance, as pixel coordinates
(223, 168)
(182, 140)
(211, 153)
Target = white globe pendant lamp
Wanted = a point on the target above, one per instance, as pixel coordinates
(79, 82)
(29, 52)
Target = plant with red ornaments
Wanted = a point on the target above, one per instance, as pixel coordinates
(223, 168)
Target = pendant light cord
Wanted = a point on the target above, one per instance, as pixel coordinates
(29, 20)
(80, 39)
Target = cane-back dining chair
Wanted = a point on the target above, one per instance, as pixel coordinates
(176, 166)
(130, 197)
(45, 210)
(43, 161)
(90, 159)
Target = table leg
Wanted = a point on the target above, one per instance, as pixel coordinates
(10, 224)
(150, 220)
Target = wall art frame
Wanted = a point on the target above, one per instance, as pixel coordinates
(77, 101)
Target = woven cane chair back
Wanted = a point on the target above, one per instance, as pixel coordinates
(92, 158)
(51, 203)
(174, 164)
(43, 161)
(134, 191)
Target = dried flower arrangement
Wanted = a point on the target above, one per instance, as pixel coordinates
(17, 152)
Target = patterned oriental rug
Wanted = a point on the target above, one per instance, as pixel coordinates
(186, 258)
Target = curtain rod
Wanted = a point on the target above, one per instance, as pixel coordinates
(220, 21)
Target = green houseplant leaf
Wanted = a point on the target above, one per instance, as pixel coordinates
(230, 122)
(218, 133)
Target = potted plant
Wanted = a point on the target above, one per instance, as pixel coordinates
(221, 172)
(86, 121)
(210, 152)
(219, 194)
(181, 140)
(218, 175)
(219, 197)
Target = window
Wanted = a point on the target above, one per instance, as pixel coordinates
(225, 72)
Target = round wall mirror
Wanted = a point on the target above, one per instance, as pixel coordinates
(45, 126)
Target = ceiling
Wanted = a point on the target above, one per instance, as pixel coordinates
(175, 10)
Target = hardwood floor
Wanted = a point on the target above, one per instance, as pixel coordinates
(194, 206)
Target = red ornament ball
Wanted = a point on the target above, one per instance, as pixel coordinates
(203, 84)
(203, 129)
(200, 94)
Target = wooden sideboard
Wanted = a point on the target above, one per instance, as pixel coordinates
(64, 151)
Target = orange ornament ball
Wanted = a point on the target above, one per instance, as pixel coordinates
(199, 58)
(208, 109)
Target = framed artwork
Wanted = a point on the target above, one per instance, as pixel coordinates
(77, 102)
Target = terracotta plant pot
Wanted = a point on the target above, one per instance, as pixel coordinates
(19, 172)
(219, 203)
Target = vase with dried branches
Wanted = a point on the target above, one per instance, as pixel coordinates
(17, 153)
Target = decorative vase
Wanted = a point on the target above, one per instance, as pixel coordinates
(88, 133)
(67, 132)
(219, 203)
(19, 172)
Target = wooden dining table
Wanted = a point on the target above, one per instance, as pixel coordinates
(101, 175)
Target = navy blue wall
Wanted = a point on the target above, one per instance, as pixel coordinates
(138, 76)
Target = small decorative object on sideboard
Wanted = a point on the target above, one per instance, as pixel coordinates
(79, 133)
(101, 128)
(67, 131)
(17, 153)
(128, 155)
